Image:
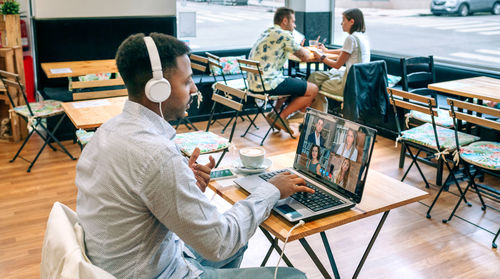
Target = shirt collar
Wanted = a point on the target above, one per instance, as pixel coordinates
(155, 121)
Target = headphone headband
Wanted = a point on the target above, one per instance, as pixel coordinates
(154, 57)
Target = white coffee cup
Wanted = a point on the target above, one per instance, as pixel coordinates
(252, 157)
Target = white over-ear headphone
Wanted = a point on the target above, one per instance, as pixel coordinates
(158, 88)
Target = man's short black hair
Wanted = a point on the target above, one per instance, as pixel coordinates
(133, 62)
(281, 13)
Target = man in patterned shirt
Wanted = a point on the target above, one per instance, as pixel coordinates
(272, 50)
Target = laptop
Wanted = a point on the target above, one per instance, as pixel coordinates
(333, 155)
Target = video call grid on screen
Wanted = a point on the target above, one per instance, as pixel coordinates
(338, 155)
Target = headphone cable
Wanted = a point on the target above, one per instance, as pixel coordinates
(300, 223)
(161, 112)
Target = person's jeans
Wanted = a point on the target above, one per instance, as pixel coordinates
(229, 268)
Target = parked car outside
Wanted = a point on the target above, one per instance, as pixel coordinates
(464, 7)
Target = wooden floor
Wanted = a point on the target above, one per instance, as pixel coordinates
(409, 245)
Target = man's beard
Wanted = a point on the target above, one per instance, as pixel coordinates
(183, 113)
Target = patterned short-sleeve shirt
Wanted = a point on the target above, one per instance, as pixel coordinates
(271, 50)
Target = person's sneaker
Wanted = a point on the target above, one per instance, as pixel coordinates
(270, 119)
(297, 117)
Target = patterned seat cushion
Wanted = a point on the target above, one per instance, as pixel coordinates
(84, 136)
(444, 119)
(89, 77)
(41, 109)
(207, 142)
(424, 135)
(229, 65)
(485, 154)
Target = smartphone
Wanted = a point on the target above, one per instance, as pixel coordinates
(221, 174)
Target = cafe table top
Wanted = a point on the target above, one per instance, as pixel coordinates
(382, 193)
(485, 88)
(328, 55)
(79, 68)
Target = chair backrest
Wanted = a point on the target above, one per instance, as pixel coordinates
(63, 251)
(365, 95)
(472, 113)
(253, 67)
(417, 73)
(215, 67)
(199, 65)
(12, 83)
(227, 97)
(412, 101)
(98, 89)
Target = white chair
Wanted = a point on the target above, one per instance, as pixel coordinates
(63, 252)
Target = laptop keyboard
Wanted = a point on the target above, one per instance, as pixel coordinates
(318, 201)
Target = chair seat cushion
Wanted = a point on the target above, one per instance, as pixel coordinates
(332, 96)
(207, 142)
(45, 108)
(485, 154)
(84, 136)
(237, 83)
(424, 135)
(444, 119)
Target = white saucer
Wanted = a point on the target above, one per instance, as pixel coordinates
(240, 168)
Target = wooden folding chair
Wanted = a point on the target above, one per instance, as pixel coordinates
(484, 156)
(35, 115)
(427, 138)
(250, 66)
(216, 69)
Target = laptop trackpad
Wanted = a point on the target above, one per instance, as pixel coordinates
(288, 210)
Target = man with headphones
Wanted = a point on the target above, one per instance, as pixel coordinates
(141, 203)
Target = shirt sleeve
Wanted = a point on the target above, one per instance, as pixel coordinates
(173, 197)
(290, 44)
(348, 44)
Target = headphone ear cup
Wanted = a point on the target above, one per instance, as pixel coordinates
(158, 90)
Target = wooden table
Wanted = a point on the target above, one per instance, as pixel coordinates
(93, 113)
(485, 88)
(79, 68)
(381, 194)
(294, 60)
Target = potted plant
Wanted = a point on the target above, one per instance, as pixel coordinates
(10, 7)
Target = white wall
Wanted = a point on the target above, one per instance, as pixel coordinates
(101, 8)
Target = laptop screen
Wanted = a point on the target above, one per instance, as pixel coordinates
(336, 152)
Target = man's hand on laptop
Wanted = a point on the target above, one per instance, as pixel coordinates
(289, 184)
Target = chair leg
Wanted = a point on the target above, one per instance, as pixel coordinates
(462, 196)
(220, 158)
(227, 124)
(493, 244)
(189, 123)
(252, 121)
(452, 175)
(439, 172)
(402, 156)
(45, 138)
(483, 205)
(51, 135)
(22, 145)
(414, 161)
(278, 117)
